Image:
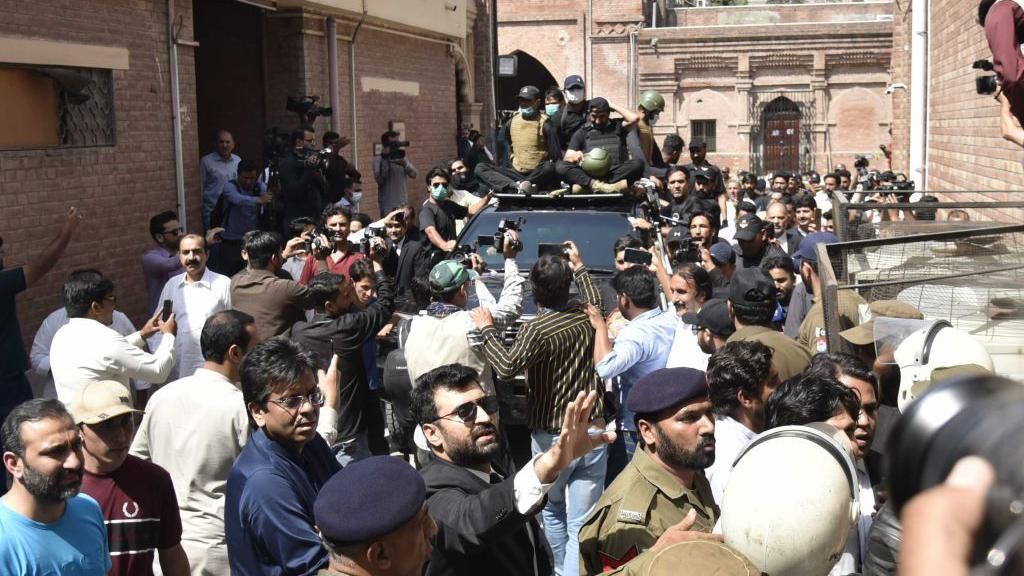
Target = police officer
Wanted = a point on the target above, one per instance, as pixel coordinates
(665, 480)
(641, 141)
(597, 159)
(533, 143)
(698, 556)
(372, 517)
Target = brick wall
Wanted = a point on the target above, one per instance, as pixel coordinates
(900, 73)
(117, 188)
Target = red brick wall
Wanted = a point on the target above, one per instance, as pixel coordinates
(900, 73)
(117, 188)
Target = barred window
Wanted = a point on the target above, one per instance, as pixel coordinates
(704, 130)
(56, 107)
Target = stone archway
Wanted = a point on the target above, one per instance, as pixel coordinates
(529, 71)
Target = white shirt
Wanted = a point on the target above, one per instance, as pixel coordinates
(686, 352)
(731, 437)
(192, 303)
(84, 350)
(40, 354)
(195, 428)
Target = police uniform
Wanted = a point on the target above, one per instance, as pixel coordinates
(698, 556)
(366, 501)
(645, 499)
(812, 333)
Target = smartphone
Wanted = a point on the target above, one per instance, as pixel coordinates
(817, 218)
(165, 313)
(637, 256)
(551, 249)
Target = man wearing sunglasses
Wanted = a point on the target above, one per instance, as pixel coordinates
(486, 511)
(268, 511)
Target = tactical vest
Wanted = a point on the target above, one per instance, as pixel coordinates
(646, 135)
(610, 141)
(528, 146)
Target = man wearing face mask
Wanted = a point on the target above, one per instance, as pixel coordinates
(439, 213)
(608, 135)
(641, 141)
(573, 115)
(699, 165)
(533, 144)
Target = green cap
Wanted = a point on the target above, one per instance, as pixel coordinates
(448, 276)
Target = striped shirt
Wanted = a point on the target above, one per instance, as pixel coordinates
(557, 351)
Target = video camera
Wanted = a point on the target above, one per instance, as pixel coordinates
(461, 254)
(977, 415)
(686, 249)
(986, 83)
(364, 245)
(498, 239)
(307, 107)
(396, 150)
(898, 186)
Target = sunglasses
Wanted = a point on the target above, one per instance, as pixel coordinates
(467, 412)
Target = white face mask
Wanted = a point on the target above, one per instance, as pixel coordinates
(574, 96)
(356, 197)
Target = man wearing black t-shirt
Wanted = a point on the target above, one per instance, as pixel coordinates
(609, 135)
(438, 214)
(699, 166)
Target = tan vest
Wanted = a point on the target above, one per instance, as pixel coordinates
(434, 342)
(528, 146)
(646, 135)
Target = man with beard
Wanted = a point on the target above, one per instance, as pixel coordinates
(664, 481)
(484, 510)
(268, 511)
(783, 274)
(780, 233)
(136, 496)
(195, 296)
(48, 527)
(741, 378)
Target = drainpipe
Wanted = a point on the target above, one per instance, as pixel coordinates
(179, 167)
(332, 67)
(352, 81)
(919, 66)
(588, 22)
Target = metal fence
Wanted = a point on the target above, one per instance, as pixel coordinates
(972, 278)
(850, 223)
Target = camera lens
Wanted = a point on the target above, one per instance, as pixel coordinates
(981, 416)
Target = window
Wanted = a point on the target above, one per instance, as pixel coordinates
(704, 130)
(56, 106)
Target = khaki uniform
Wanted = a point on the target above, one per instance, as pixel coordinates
(642, 503)
(528, 146)
(812, 331)
(697, 556)
(788, 357)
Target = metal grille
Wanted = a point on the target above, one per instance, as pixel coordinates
(983, 213)
(704, 130)
(972, 278)
(89, 123)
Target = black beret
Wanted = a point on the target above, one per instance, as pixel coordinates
(665, 388)
(368, 499)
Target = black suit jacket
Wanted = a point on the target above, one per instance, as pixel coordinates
(403, 268)
(480, 531)
(793, 239)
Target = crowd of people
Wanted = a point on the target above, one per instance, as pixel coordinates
(241, 430)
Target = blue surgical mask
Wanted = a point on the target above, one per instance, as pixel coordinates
(527, 112)
(551, 109)
(439, 192)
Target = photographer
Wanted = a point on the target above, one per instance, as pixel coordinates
(337, 169)
(390, 169)
(330, 249)
(302, 183)
(1004, 26)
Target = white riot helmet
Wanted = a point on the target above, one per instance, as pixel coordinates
(791, 500)
(929, 352)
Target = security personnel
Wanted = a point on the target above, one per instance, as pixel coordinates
(373, 519)
(665, 479)
(616, 170)
(698, 556)
(641, 141)
(533, 143)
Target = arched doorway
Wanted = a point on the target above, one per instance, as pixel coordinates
(529, 71)
(781, 133)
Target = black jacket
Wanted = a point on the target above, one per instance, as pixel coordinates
(345, 336)
(403, 268)
(480, 531)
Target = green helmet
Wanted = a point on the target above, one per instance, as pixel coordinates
(596, 163)
(652, 101)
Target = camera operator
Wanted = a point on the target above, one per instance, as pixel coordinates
(302, 183)
(439, 213)
(390, 169)
(330, 248)
(1004, 26)
(338, 171)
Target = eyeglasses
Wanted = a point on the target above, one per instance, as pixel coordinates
(467, 412)
(174, 231)
(293, 403)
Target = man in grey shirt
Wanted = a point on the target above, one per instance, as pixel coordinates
(390, 169)
(215, 170)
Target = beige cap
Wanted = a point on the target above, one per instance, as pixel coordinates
(864, 334)
(95, 402)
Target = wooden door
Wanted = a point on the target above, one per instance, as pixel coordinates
(782, 142)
